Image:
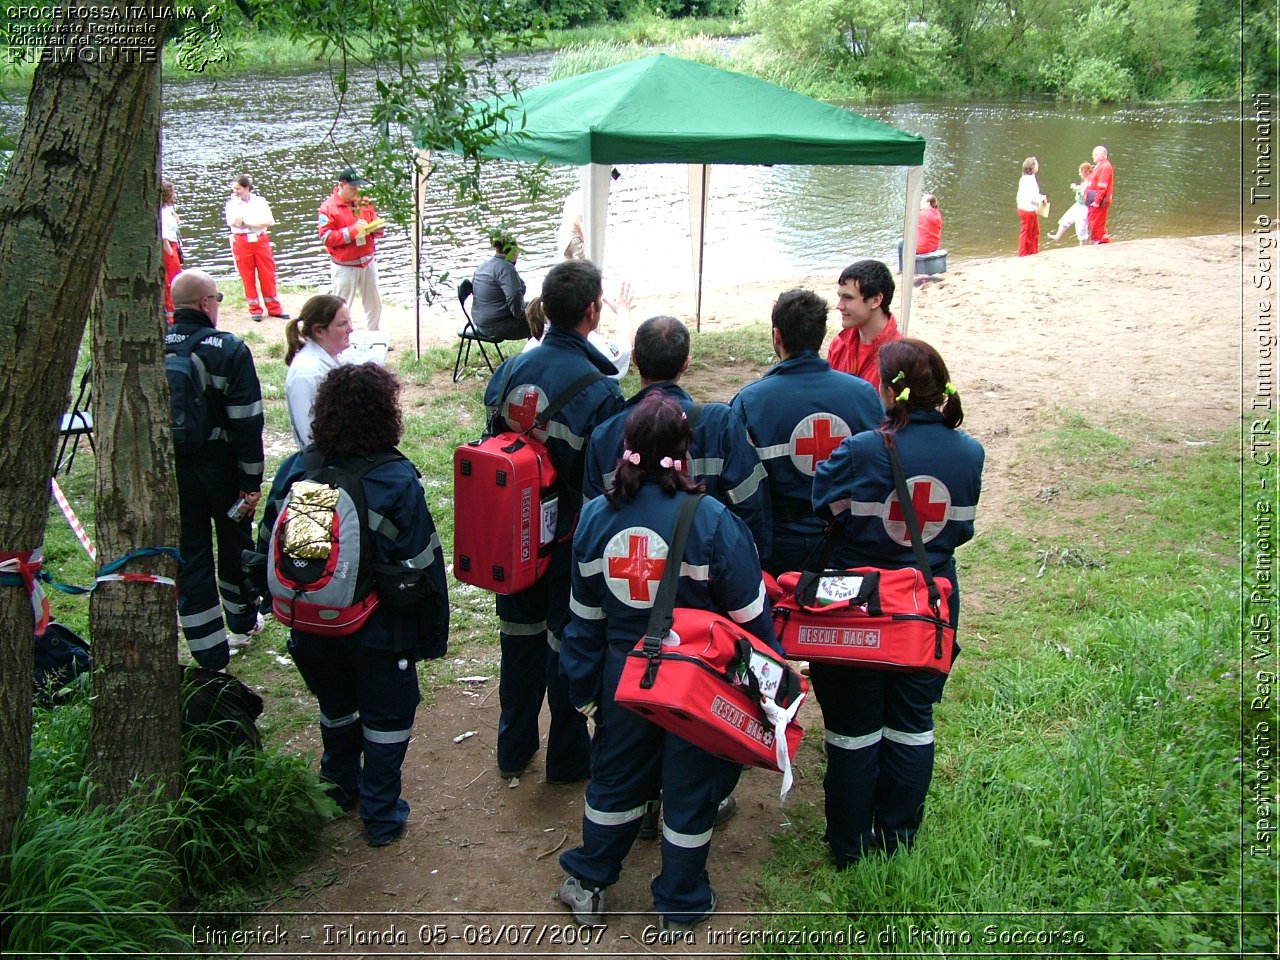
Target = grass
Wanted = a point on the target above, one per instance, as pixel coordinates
(1088, 771)
(1088, 775)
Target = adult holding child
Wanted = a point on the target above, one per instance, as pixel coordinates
(315, 341)
(349, 229)
(611, 603)
(1077, 214)
(1029, 200)
(879, 723)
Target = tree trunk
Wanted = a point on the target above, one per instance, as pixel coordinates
(134, 734)
(83, 115)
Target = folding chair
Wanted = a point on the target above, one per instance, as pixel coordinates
(76, 423)
(469, 334)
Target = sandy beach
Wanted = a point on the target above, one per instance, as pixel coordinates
(1145, 329)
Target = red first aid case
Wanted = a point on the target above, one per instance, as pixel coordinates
(505, 511)
(705, 683)
(866, 617)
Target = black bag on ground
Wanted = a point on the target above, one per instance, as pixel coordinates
(219, 711)
(60, 656)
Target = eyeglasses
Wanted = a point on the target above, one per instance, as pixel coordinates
(212, 296)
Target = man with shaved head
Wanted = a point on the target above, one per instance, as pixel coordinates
(225, 468)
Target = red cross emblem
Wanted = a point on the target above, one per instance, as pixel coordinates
(631, 572)
(814, 439)
(932, 501)
(522, 406)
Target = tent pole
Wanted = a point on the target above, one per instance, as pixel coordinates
(915, 188)
(421, 160)
(595, 203)
(699, 188)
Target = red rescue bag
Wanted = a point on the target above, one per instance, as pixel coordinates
(507, 499)
(708, 682)
(865, 617)
(505, 510)
(868, 616)
(702, 677)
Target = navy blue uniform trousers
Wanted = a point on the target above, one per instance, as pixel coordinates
(531, 671)
(368, 698)
(631, 759)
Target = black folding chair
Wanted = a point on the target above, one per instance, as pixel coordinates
(469, 335)
(76, 423)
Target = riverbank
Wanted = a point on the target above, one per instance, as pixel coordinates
(251, 51)
(1081, 327)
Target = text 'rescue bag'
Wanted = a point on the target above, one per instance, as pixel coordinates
(319, 564)
(506, 499)
(864, 616)
(188, 405)
(704, 678)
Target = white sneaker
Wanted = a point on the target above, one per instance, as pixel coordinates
(237, 641)
(587, 905)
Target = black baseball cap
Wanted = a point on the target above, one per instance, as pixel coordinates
(350, 176)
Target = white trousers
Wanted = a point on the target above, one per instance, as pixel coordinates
(348, 282)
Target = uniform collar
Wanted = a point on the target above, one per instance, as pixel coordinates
(571, 341)
(191, 317)
(669, 387)
(802, 362)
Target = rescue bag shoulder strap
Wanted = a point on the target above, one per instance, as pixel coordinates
(664, 603)
(556, 405)
(917, 542)
(187, 348)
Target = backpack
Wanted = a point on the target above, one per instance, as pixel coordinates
(319, 561)
(60, 656)
(188, 404)
(506, 502)
(218, 711)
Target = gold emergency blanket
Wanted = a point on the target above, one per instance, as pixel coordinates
(309, 533)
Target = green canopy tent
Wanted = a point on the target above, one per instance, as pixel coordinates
(663, 109)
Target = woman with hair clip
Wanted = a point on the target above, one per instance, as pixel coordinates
(365, 683)
(620, 550)
(879, 723)
(315, 341)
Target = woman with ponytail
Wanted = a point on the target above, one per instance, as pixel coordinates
(315, 341)
(879, 724)
(620, 551)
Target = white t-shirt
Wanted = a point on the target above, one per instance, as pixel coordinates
(254, 212)
(311, 365)
(1029, 195)
(169, 224)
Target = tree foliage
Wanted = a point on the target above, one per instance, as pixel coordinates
(1082, 49)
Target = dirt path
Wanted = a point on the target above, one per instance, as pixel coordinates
(1141, 338)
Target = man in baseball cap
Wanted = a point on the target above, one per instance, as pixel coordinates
(349, 229)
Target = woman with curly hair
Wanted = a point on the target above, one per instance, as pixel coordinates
(366, 683)
(315, 342)
(879, 723)
(620, 550)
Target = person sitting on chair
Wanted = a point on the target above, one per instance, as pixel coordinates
(497, 306)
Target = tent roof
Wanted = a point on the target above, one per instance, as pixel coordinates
(662, 109)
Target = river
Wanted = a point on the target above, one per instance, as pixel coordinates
(1177, 169)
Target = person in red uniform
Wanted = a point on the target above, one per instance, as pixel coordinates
(928, 228)
(249, 217)
(1098, 194)
(864, 296)
(344, 223)
(170, 242)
